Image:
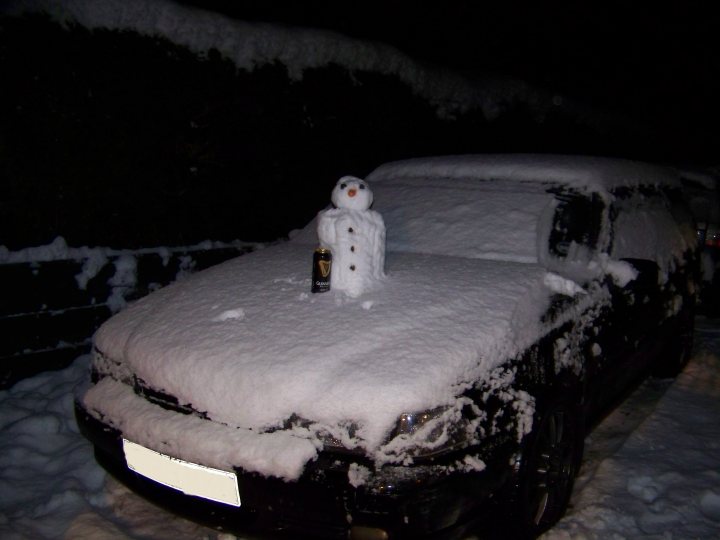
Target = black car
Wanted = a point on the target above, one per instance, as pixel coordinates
(523, 295)
(702, 191)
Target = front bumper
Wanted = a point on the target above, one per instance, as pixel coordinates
(402, 502)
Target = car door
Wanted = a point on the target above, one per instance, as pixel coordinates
(641, 230)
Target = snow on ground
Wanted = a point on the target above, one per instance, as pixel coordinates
(664, 480)
(652, 468)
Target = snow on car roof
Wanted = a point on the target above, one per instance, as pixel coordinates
(582, 172)
(705, 179)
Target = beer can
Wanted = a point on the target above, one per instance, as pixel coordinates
(322, 266)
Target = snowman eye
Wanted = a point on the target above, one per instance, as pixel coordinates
(362, 186)
(343, 186)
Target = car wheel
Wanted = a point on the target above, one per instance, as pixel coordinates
(550, 461)
(677, 354)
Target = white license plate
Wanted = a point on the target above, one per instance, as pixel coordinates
(190, 478)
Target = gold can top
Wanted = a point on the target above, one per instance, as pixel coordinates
(322, 250)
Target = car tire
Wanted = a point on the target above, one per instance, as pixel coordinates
(549, 463)
(679, 349)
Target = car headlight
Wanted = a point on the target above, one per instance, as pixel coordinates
(432, 432)
(431, 421)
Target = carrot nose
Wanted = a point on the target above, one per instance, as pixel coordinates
(352, 192)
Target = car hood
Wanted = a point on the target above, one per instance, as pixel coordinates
(246, 343)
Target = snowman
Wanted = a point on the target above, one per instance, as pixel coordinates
(355, 236)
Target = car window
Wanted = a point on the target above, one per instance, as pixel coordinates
(679, 208)
(576, 224)
(644, 228)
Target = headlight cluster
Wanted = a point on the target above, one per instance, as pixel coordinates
(411, 423)
(433, 432)
(420, 434)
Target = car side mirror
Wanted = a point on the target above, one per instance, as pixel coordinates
(648, 273)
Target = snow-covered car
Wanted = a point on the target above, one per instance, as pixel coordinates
(521, 297)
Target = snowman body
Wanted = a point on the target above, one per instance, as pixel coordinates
(355, 236)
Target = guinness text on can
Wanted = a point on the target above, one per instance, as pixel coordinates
(322, 266)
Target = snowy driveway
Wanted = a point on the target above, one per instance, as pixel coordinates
(664, 479)
(652, 467)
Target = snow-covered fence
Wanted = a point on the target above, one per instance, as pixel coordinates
(55, 297)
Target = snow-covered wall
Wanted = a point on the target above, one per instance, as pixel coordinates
(55, 296)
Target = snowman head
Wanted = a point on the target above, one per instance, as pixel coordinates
(352, 193)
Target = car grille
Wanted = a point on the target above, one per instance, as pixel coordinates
(171, 403)
(166, 401)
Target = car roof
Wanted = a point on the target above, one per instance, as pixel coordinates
(708, 180)
(590, 173)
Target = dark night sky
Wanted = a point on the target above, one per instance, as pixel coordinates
(655, 63)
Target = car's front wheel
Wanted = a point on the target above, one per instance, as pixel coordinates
(550, 460)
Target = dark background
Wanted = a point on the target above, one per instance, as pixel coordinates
(655, 63)
(117, 139)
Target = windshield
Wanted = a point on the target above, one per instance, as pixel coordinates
(464, 218)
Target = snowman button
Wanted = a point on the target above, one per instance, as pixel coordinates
(352, 248)
(350, 230)
(352, 267)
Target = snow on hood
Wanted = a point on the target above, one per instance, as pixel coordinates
(246, 343)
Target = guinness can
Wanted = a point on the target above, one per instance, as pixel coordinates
(322, 265)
